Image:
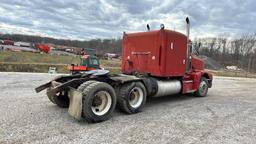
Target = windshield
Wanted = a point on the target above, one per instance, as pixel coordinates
(94, 62)
(84, 62)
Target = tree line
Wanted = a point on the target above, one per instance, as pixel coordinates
(239, 51)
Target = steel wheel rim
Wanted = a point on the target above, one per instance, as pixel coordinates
(203, 87)
(136, 97)
(101, 103)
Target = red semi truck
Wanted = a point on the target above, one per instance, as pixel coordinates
(154, 63)
(42, 47)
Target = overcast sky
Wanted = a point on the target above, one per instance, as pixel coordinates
(87, 19)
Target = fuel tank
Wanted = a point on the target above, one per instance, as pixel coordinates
(167, 87)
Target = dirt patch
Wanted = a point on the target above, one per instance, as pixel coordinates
(226, 115)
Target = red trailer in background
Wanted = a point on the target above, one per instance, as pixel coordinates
(7, 42)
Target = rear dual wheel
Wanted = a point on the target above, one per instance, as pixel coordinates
(99, 101)
(132, 97)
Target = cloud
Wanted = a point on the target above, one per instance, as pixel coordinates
(109, 18)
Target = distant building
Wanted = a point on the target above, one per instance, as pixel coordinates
(110, 55)
(22, 44)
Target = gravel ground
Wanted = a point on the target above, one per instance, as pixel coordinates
(227, 115)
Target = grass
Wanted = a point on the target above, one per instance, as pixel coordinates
(111, 63)
(36, 62)
(28, 57)
(34, 58)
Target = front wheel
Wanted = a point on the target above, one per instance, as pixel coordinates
(99, 101)
(202, 88)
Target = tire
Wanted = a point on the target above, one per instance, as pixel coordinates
(202, 88)
(50, 97)
(84, 85)
(98, 103)
(132, 97)
(60, 99)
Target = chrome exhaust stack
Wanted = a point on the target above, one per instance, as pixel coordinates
(188, 54)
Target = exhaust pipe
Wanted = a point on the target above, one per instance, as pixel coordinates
(188, 54)
(148, 27)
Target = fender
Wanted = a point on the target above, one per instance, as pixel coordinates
(190, 83)
(197, 77)
(209, 76)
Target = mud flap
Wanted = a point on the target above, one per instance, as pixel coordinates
(75, 105)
